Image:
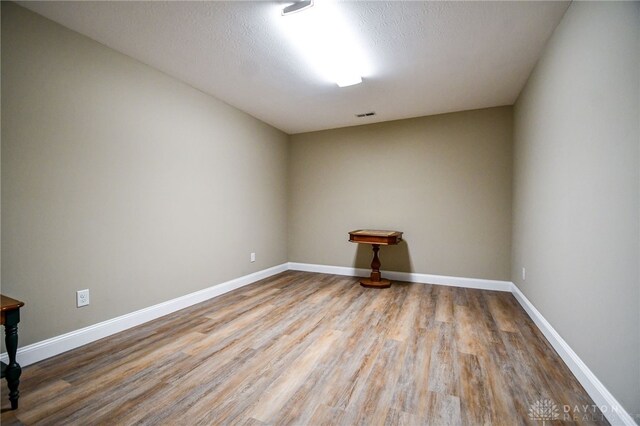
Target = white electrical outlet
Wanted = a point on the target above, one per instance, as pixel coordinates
(253, 257)
(82, 298)
(524, 274)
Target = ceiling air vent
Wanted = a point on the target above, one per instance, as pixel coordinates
(366, 114)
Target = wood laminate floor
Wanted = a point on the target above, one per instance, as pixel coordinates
(304, 348)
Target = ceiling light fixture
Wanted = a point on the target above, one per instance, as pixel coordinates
(298, 6)
(325, 40)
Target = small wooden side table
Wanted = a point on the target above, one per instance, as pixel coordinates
(376, 238)
(10, 317)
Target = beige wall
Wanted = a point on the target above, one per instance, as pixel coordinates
(576, 208)
(123, 180)
(445, 181)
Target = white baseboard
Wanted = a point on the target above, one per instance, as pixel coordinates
(407, 276)
(615, 414)
(56, 345)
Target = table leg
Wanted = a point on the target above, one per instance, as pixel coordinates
(13, 370)
(375, 280)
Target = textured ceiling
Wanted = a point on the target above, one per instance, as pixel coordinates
(425, 57)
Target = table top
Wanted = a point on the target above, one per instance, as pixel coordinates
(375, 236)
(9, 304)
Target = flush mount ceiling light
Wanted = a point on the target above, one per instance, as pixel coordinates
(297, 7)
(323, 37)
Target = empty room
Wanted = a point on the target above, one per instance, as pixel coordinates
(320, 213)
